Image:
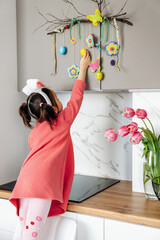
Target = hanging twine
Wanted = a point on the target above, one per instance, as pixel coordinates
(102, 30)
(54, 54)
(117, 36)
(74, 20)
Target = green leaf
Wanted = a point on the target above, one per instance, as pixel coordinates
(145, 151)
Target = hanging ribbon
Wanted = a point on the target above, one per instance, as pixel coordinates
(74, 20)
(102, 30)
(117, 36)
(54, 54)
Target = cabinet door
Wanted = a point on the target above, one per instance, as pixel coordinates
(89, 227)
(115, 229)
(139, 51)
(8, 219)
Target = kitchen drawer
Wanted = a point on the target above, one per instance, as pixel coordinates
(115, 229)
(89, 227)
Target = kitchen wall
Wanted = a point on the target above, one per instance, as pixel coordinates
(12, 141)
(99, 111)
(93, 154)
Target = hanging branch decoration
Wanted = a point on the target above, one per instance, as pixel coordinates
(58, 25)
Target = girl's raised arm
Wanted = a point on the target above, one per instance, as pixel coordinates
(74, 104)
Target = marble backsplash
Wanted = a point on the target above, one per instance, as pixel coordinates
(94, 155)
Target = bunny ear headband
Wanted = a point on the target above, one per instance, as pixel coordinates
(34, 85)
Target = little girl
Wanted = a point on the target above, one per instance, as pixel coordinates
(44, 183)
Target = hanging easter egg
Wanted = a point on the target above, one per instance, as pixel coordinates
(73, 40)
(63, 50)
(99, 76)
(82, 51)
(89, 40)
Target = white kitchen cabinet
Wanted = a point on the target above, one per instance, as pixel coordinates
(89, 227)
(115, 229)
(8, 220)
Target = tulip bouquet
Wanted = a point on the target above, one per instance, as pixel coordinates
(146, 135)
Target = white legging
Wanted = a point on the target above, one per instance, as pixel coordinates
(33, 213)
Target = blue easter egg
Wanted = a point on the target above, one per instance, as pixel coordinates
(63, 50)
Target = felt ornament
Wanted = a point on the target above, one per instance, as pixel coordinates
(112, 48)
(95, 18)
(73, 40)
(73, 71)
(89, 40)
(95, 65)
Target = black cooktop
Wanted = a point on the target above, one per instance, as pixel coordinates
(83, 186)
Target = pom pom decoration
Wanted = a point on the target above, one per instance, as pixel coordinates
(89, 40)
(99, 76)
(82, 51)
(73, 71)
(95, 65)
(95, 18)
(63, 50)
(112, 48)
(112, 62)
(73, 40)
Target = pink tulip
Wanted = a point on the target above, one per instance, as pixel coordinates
(123, 131)
(110, 135)
(141, 113)
(136, 138)
(128, 112)
(132, 127)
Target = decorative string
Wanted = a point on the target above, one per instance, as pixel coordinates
(74, 48)
(82, 42)
(74, 20)
(102, 29)
(117, 36)
(92, 49)
(54, 53)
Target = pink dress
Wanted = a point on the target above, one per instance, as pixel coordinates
(48, 170)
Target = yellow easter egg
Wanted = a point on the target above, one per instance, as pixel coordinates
(99, 76)
(82, 51)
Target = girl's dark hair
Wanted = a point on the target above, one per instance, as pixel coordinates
(32, 108)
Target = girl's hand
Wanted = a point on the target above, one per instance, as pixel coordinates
(85, 59)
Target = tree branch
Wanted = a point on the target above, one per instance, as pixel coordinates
(67, 1)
